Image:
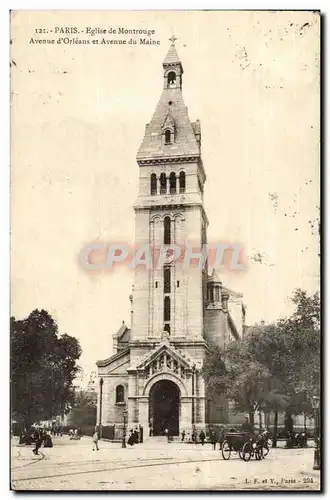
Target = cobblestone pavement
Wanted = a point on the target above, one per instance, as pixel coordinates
(72, 465)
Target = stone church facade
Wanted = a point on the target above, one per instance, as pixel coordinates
(155, 372)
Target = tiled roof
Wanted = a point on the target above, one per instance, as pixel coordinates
(172, 56)
(108, 361)
(185, 143)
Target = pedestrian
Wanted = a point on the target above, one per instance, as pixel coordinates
(247, 426)
(136, 436)
(202, 437)
(131, 438)
(213, 439)
(221, 437)
(96, 440)
(48, 442)
(194, 435)
(37, 437)
(166, 432)
(183, 434)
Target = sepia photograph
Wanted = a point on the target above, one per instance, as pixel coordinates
(165, 250)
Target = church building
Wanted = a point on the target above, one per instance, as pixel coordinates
(155, 371)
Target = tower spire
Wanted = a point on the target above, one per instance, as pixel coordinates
(172, 67)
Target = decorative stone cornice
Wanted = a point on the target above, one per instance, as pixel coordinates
(162, 160)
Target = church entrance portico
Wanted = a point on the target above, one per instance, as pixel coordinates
(164, 408)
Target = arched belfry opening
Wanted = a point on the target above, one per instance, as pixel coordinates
(164, 408)
(173, 70)
(171, 79)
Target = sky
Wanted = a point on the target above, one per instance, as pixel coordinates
(78, 118)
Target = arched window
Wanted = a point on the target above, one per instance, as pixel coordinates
(162, 183)
(167, 136)
(172, 183)
(167, 231)
(153, 184)
(171, 79)
(210, 295)
(167, 279)
(182, 182)
(167, 309)
(120, 394)
(167, 328)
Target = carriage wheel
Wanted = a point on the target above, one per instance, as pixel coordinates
(226, 450)
(247, 451)
(240, 453)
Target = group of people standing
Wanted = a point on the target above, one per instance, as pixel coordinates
(75, 434)
(195, 437)
(38, 436)
(134, 437)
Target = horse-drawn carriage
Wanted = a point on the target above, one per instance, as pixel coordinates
(246, 446)
(233, 442)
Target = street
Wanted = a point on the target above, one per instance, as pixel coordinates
(157, 465)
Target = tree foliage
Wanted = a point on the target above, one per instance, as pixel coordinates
(43, 366)
(274, 367)
(83, 412)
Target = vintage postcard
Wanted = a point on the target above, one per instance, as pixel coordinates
(165, 250)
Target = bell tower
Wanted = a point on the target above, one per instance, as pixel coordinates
(173, 70)
(169, 210)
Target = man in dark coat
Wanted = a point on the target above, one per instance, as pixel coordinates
(247, 426)
(131, 439)
(213, 439)
(221, 437)
(202, 437)
(37, 437)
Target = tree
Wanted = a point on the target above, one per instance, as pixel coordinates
(43, 366)
(236, 373)
(83, 412)
(274, 367)
(290, 349)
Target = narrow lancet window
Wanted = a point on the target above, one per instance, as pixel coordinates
(182, 181)
(162, 183)
(172, 183)
(167, 231)
(153, 184)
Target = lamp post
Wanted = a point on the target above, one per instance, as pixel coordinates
(316, 408)
(193, 394)
(100, 414)
(123, 444)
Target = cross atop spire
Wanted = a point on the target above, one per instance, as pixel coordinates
(172, 39)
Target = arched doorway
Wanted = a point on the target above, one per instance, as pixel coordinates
(164, 407)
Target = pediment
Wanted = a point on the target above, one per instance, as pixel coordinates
(165, 354)
(169, 121)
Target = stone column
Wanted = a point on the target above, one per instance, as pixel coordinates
(202, 399)
(185, 414)
(108, 400)
(131, 402)
(143, 405)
